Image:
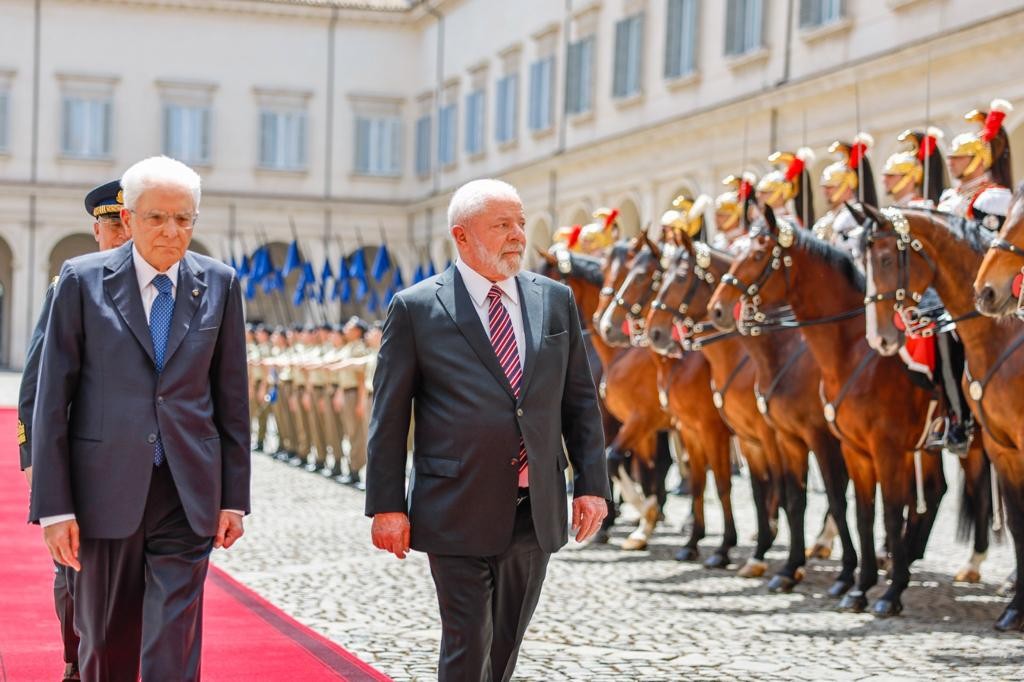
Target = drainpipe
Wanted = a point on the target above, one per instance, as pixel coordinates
(33, 175)
(788, 55)
(329, 124)
(563, 118)
(436, 167)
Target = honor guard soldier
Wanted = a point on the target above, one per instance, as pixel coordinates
(316, 386)
(103, 204)
(686, 217)
(279, 393)
(354, 405)
(915, 176)
(848, 180)
(980, 162)
(732, 213)
(787, 188)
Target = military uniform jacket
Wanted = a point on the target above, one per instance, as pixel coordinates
(29, 380)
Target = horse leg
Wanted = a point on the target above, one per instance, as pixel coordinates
(1012, 617)
(650, 510)
(794, 478)
(862, 473)
(760, 484)
(896, 481)
(919, 526)
(721, 465)
(836, 479)
(822, 547)
(698, 479)
(975, 511)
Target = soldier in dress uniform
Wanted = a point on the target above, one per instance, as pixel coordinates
(299, 403)
(103, 204)
(316, 387)
(733, 213)
(279, 393)
(787, 188)
(354, 404)
(262, 348)
(915, 175)
(335, 399)
(980, 162)
(686, 217)
(848, 180)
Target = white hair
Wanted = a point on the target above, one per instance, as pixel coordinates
(158, 171)
(471, 199)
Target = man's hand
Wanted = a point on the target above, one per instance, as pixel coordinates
(588, 511)
(28, 476)
(390, 532)
(62, 541)
(229, 529)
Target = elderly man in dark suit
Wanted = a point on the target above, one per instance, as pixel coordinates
(493, 364)
(103, 204)
(140, 452)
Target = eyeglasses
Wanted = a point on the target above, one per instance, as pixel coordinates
(155, 219)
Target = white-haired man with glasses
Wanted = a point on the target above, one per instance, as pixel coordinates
(141, 448)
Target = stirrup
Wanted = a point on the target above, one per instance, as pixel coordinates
(938, 431)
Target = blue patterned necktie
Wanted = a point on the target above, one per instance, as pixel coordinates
(159, 328)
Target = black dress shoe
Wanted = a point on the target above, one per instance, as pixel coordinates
(71, 673)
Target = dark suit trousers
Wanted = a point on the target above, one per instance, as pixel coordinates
(486, 604)
(64, 604)
(142, 596)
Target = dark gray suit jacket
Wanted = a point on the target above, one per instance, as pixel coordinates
(100, 402)
(436, 359)
(30, 377)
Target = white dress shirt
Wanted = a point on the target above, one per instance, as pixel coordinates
(145, 274)
(478, 286)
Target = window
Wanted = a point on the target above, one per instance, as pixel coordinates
(187, 133)
(5, 118)
(379, 145)
(579, 76)
(506, 121)
(542, 81)
(814, 13)
(744, 20)
(423, 145)
(475, 122)
(628, 56)
(447, 134)
(283, 140)
(681, 38)
(87, 126)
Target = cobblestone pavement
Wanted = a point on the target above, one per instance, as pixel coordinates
(611, 615)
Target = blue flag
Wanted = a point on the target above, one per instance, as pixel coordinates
(306, 278)
(389, 294)
(326, 272)
(358, 272)
(343, 271)
(381, 262)
(292, 260)
(374, 302)
(396, 281)
(418, 276)
(432, 270)
(346, 290)
(260, 263)
(244, 268)
(250, 288)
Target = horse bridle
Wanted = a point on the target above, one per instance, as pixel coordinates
(914, 321)
(750, 297)
(1018, 279)
(637, 323)
(683, 322)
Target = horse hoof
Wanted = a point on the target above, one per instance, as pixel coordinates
(688, 554)
(1011, 620)
(839, 588)
(886, 608)
(819, 552)
(716, 560)
(634, 544)
(752, 569)
(781, 584)
(967, 575)
(854, 602)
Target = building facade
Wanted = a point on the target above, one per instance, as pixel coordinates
(349, 122)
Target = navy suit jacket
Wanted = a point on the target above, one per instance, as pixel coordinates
(436, 360)
(100, 402)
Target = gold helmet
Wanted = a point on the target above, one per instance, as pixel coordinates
(687, 215)
(782, 184)
(842, 174)
(569, 236)
(978, 145)
(596, 237)
(908, 163)
(733, 202)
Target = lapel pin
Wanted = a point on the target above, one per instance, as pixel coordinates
(195, 292)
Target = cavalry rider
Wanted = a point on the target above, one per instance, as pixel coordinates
(980, 161)
(915, 176)
(787, 188)
(730, 226)
(685, 217)
(847, 181)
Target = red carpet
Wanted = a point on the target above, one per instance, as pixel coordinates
(245, 637)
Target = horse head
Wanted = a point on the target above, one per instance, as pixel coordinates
(626, 312)
(997, 287)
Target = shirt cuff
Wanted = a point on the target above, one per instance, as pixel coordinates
(235, 511)
(52, 520)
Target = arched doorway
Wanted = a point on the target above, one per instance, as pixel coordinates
(577, 215)
(6, 302)
(538, 236)
(629, 219)
(69, 247)
(1017, 153)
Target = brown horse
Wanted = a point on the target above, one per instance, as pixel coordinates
(997, 287)
(869, 401)
(684, 390)
(910, 250)
(791, 423)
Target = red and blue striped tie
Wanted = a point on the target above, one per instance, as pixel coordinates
(503, 339)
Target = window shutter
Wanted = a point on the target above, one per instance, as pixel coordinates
(586, 71)
(636, 53)
(362, 145)
(689, 29)
(106, 109)
(754, 32)
(673, 39)
(205, 124)
(4, 99)
(265, 141)
(168, 131)
(300, 141)
(513, 110)
(620, 74)
(499, 109)
(572, 78)
(547, 85)
(395, 137)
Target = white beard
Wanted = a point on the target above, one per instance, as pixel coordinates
(506, 265)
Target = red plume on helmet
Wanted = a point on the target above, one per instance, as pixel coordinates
(994, 119)
(929, 142)
(574, 235)
(609, 219)
(861, 144)
(796, 166)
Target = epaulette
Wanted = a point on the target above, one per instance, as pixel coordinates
(22, 438)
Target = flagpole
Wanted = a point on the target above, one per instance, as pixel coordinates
(927, 125)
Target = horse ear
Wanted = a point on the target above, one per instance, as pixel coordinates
(653, 246)
(546, 255)
(857, 214)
